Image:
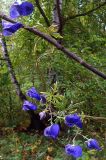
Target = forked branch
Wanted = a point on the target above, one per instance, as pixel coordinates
(85, 13)
(11, 70)
(42, 13)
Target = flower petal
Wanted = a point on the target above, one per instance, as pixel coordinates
(73, 119)
(15, 10)
(79, 124)
(42, 115)
(28, 106)
(93, 144)
(23, 9)
(33, 93)
(52, 131)
(69, 124)
(55, 129)
(6, 33)
(43, 99)
(72, 150)
(47, 132)
(26, 8)
(10, 28)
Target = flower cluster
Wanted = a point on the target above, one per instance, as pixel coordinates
(33, 94)
(53, 130)
(16, 10)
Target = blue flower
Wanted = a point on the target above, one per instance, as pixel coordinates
(33, 93)
(72, 150)
(73, 119)
(23, 9)
(10, 28)
(15, 10)
(43, 99)
(28, 106)
(26, 8)
(52, 131)
(93, 144)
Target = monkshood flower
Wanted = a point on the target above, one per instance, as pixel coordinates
(73, 119)
(28, 106)
(26, 8)
(43, 98)
(93, 144)
(15, 10)
(23, 9)
(42, 115)
(10, 28)
(33, 93)
(52, 131)
(72, 150)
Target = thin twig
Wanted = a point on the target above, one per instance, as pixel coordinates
(59, 8)
(42, 13)
(95, 118)
(11, 70)
(85, 13)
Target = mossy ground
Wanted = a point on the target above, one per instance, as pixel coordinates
(34, 146)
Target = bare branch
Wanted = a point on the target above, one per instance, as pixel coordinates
(11, 71)
(95, 118)
(59, 9)
(59, 47)
(35, 123)
(57, 18)
(42, 12)
(85, 13)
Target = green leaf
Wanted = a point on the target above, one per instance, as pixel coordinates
(56, 35)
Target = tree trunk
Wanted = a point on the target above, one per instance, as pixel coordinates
(35, 123)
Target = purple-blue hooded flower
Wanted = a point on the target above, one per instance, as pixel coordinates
(10, 28)
(93, 144)
(23, 9)
(15, 10)
(73, 119)
(42, 115)
(43, 99)
(33, 93)
(26, 8)
(52, 131)
(72, 150)
(28, 106)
